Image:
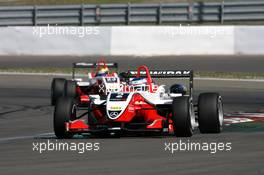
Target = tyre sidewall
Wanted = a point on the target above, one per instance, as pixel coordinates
(65, 110)
(208, 113)
(181, 116)
(70, 89)
(57, 89)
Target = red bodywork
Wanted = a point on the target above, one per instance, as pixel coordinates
(83, 97)
(138, 109)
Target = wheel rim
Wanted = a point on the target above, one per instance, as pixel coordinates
(192, 116)
(73, 112)
(220, 111)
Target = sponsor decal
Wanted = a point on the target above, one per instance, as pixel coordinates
(115, 108)
(84, 64)
(131, 108)
(113, 114)
(164, 72)
(119, 96)
(111, 79)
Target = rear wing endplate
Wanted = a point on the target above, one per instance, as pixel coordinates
(94, 65)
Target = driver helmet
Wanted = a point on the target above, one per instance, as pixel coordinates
(102, 72)
(139, 83)
(178, 89)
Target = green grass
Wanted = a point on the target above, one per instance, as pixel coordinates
(45, 2)
(229, 75)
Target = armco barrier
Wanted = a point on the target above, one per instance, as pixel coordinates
(132, 40)
(127, 14)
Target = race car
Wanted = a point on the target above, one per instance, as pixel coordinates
(142, 106)
(87, 78)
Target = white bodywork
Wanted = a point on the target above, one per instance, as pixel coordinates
(117, 102)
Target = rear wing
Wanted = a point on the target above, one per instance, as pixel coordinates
(83, 65)
(188, 74)
(163, 73)
(94, 65)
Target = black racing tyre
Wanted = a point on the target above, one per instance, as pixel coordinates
(57, 89)
(70, 89)
(181, 116)
(210, 113)
(65, 110)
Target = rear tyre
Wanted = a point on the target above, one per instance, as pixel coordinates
(210, 113)
(182, 113)
(70, 89)
(65, 110)
(57, 89)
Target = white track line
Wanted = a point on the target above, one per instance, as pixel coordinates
(230, 79)
(34, 74)
(24, 137)
(15, 138)
(196, 78)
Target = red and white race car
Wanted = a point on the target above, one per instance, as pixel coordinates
(141, 106)
(87, 78)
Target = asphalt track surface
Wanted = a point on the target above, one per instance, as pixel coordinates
(197, 63)
(26, 117)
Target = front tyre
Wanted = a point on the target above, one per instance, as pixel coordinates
(65, 110)
(57, 89)
(70, 89)
(210, 113)
(182, 114)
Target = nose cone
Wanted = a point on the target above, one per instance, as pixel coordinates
(116, 104)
